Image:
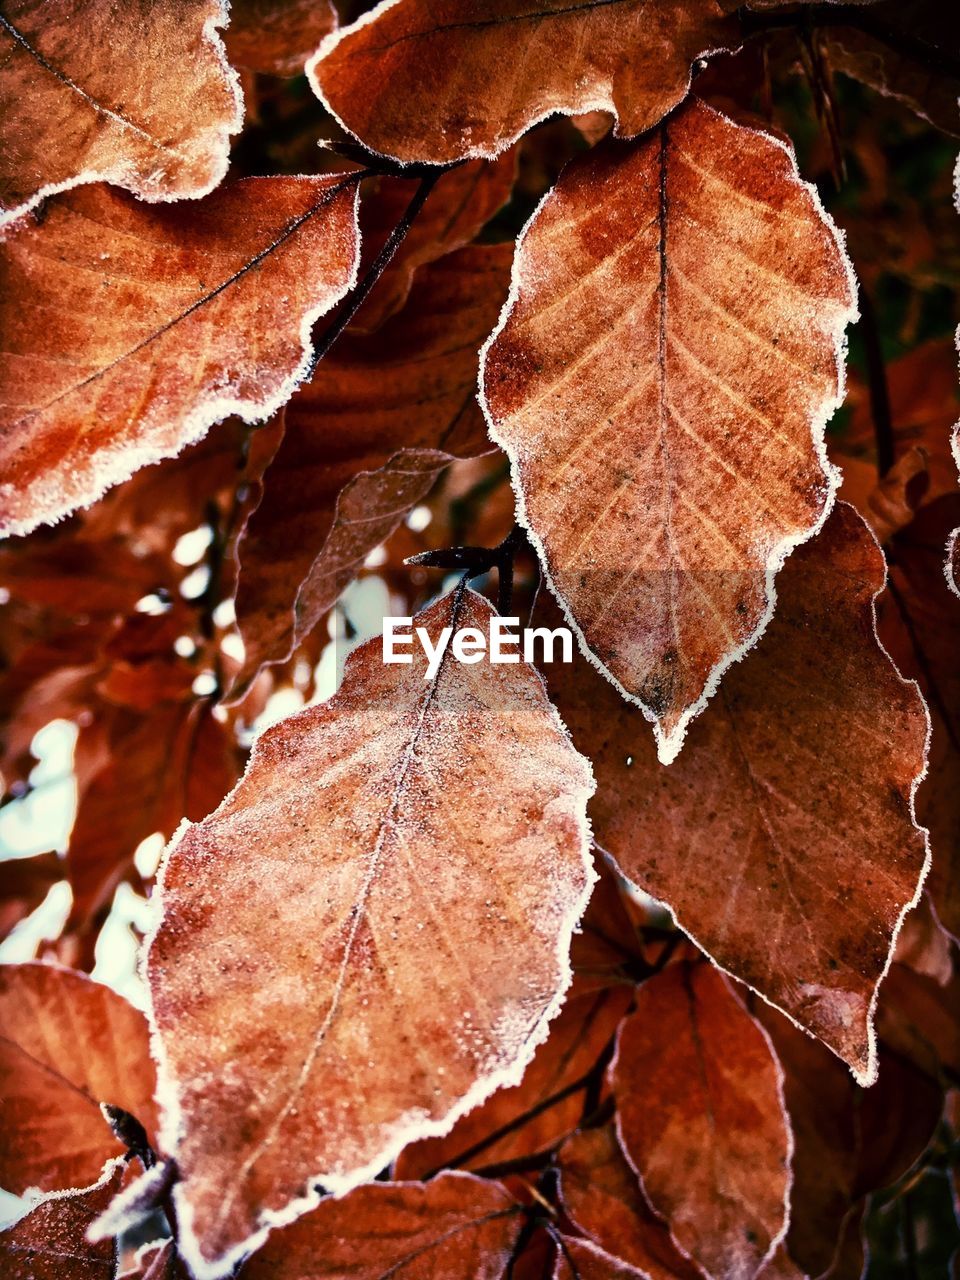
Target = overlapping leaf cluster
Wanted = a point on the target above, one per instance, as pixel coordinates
(638, 966)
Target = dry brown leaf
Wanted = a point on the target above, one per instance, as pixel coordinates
(783, 838)
(492, 1132)
(365, 440)
(50, 1242)
(68, 1044)
(661, 380)
(134, 328)
(578, 1259)
(700, 1114)
(139, 95)
(456, 209)
(277, 36)
(466, 78)
(602, 1197)
(316, 1005)
(452, 1228)
(24, 884)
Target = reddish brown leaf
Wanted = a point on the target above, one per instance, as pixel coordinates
(24, 883)
(68, 1044)
(602, 1196)
(661, 381)
(583, 1260)
(365, 441)
(783, 838)
(126, 352)
(700, 1115)
(454, 1227)
(493, 1132)
(277, 36)
(920, 627)
(332, 885)
(455, 211)
(468, 77)
(50, 1242)
(137, 95)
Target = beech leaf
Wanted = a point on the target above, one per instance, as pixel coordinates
(277, 36)
(68, 1045)
(365, 441)
(316, 1001)
(138, 327)
(661, 379)
(454, 1227)
(700, 1114)
(784, 837)
(462, 78)
(137, 95)
(50, 1242)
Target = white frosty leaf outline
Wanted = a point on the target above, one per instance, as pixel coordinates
(603, 103)
(408, 1129)
(117, 461)
(868, 1076)
(668, 745)
(124, 175)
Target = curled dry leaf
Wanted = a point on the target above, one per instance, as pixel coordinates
(139, 95)
(68, 1045)
(50, 1242)
(700, 1114)
(448, 1229)
(365, 440)
(784, 837)
(603, 1198)
(661, 380)
(455, 211)
(316, 1004)
(467, 77)
(547, 1103)
(277, 36)
(137, 327)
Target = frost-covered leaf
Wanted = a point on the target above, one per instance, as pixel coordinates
(602, 1196)
(365, 440)
(368, 936)
(277, 36)
(544, 1106)
(464, 78)
(661, 381)
(139, 95)
(135, 327)
(50, 1242)
(454, 1227)
(68, 1044)
(700, 1115)
(783, 838)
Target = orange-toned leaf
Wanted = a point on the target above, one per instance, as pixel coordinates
(456, 1226)
(137, 95)
(578, 1259)
(701, 1117)
(455, 211)
(783, 838)
(551, 1095)
(50, 1242)
(317, 1000)
(68, 1045)
(127, 349)
(383, 415)
(602, 1196)
(277, 36)
(661, 381)
(467, 77)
